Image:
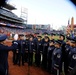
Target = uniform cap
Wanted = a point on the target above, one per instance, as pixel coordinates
(39, 36)
(53, 34)
(45, 33)
(68, 38)
(46, 37)
(31, 36)
(3, 37)
(21, 34)
(51, 41)
(36, 33)
(73, 40)
(58, 42)
(62, 36)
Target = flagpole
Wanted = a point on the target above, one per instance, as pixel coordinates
(72, 26)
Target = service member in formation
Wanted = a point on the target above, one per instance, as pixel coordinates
(21, 50)
(49, 55)
(38, 51)
(72, 55)
(44, 52)
(52, 36)
(45, 34)
(31, 49)
(62, 38)
(26, 47)
(15, 51)
(56, 58)
(67, 50)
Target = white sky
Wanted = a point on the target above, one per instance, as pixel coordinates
(54, 12)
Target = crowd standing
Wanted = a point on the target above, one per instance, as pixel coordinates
(54, 56)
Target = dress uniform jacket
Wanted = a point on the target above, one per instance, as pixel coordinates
(26, 49)
(44, 53)
(4, 54)
(21, 46)
(49, 57)
(56, 60)
(31, 49)
(21, 52)
(72, 57)
(66, 60)
(38, 52)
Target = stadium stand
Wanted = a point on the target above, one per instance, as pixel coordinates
(9, 22)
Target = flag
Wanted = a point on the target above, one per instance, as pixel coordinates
(68, 21)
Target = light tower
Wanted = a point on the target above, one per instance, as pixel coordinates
(24, 14)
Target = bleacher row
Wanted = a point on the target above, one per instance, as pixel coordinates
(10, 14)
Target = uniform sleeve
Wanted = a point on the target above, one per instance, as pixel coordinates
(72, 62)
(14, 46)
(58, 60)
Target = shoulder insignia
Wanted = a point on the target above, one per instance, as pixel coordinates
(74, 56)
(58, 56)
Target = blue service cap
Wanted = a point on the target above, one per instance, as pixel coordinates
(52, 41)
(73, 40)
(62, 35)
(52, 34)
(45, 33)
(68, 38)
(3, 37)
(21, 34)
(58, 42)
(39, 36)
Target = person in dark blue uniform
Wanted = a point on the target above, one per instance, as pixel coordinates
(38, 51)
(31, 49)
(26, 47)
(56, 58)
(49, 55)
(4, 49)
(52, 36)
(35, 37)
(15, 54)
(62, 38)
(21, 50)
(2, 71)
(72, 55)
(45, 35)
(44, 52)
(67, 50)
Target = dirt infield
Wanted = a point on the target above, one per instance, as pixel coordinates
(23, 70)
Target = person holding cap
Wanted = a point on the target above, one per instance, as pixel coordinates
(72, 55)
(67, 50)
(56, 58)
(4, 49)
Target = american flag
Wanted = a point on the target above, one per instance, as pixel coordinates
(68, 23)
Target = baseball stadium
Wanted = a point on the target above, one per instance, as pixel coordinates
(35, 49)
